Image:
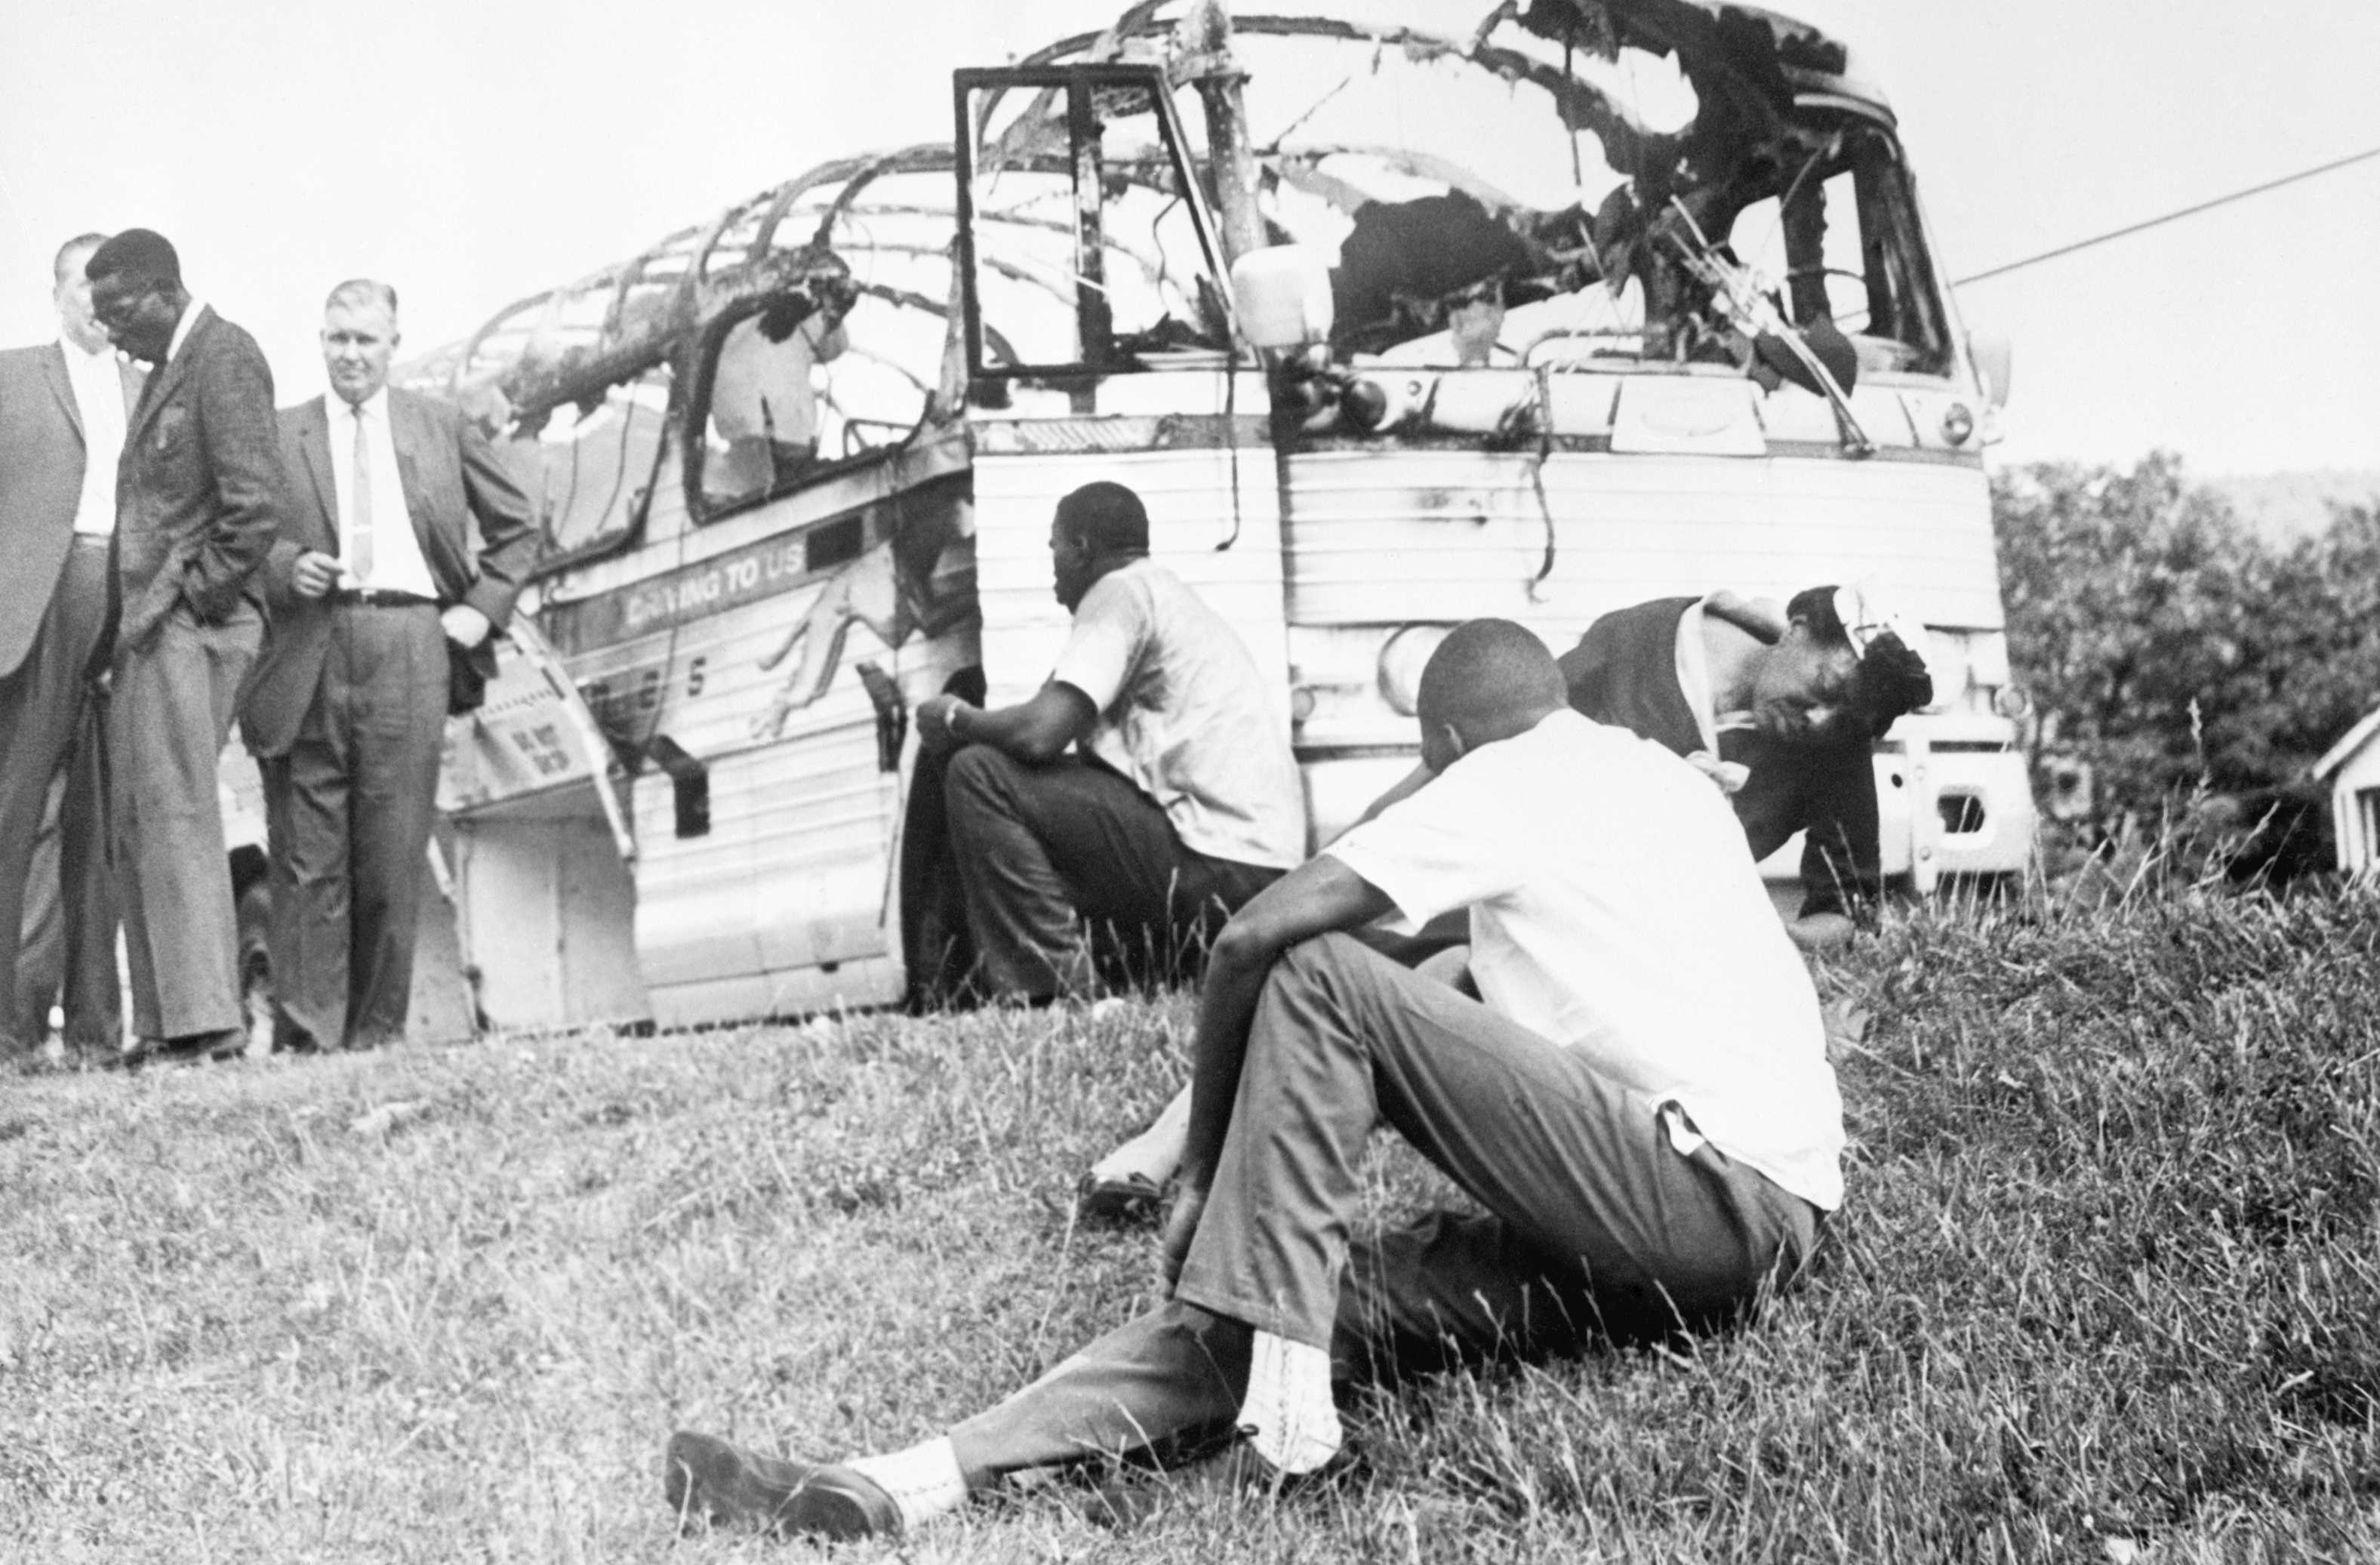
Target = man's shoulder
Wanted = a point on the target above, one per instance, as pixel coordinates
(1168, 600)
(216, 335)
(221, 352)
(30, 357)
(298, 417)
(29, 366)
(1654, 613)
(442, 418)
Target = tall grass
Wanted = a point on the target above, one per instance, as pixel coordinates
(2107, 1285)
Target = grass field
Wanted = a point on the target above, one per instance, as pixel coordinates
(2107, 1286)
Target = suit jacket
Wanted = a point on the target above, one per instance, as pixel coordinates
(450, 476)
(42, 456)
(198, 492)
(1624, 672)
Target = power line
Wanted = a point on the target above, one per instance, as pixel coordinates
(2172, 216)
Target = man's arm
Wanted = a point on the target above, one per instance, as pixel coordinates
(1761, 618)
(243, 457)
(1034, 732)
(508, 527)
(1316, 897)
(1403, 787)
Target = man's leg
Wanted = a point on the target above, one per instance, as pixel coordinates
(1574, 1167)
(42, 707)
(1131, 1178)
(306, 811)
(170, 715)
(94, 990)
(396, 704)
(41, 944)
(1040, 846)
(1596, 1225)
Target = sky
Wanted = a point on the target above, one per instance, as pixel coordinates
(474, 151)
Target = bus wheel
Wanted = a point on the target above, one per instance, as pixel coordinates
(256, 967)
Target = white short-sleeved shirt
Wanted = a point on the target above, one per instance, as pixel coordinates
(1613, 911)
(1183, 713)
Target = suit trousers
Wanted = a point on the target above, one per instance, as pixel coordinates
(1597, 1227)
(166, 724)
(1043, 851)
(56, 887)
(349, 810)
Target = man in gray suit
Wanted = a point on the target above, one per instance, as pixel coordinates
(375, 593)
(198, 499)
(63, 409)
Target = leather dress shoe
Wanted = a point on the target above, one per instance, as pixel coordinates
(707, 1477)
(191, 1048)
(1120, 1198)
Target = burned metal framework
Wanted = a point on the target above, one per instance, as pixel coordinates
(1087, 91)
(899, 235)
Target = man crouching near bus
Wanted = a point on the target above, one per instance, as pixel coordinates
(1178, 802)
(1641, 1102)
(1782, 708)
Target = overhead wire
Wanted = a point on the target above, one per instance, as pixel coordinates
(2192, 211)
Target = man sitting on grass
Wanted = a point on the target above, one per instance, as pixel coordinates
(1145, 792)
(1641, 1102)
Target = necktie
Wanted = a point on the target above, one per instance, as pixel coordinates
(359, 525)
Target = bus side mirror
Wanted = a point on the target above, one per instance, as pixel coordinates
(1283, 295)
(1994, 357)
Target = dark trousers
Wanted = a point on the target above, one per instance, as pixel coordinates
(349, 810)
(1828, 790)
(1043, 855)
(57, 892)
(1595, 1228)
(166, 724)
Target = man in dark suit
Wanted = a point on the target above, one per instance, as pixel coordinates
(63, 410)
(375, 592)
(197, 497)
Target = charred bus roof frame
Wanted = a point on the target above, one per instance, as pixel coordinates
(1080, 83)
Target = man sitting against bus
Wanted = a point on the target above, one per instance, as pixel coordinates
(1640, 1101)
(1782, 707)
(1145, 793)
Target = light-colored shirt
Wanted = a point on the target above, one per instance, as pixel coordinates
(182, 329)
(398, 561)
(1694, 681)
(1183, 713)
(1614, 911)
(97, 381)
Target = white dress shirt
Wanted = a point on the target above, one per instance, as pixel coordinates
(398, 561)
(97, 382)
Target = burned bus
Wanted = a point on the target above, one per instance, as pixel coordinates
(1596, 301)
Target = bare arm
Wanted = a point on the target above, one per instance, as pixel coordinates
(1319, 895)
(1403, 788)
(1034, 732)
(1761, 618)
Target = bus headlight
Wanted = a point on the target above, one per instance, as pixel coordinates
(1402, 657)
(1957, 424)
